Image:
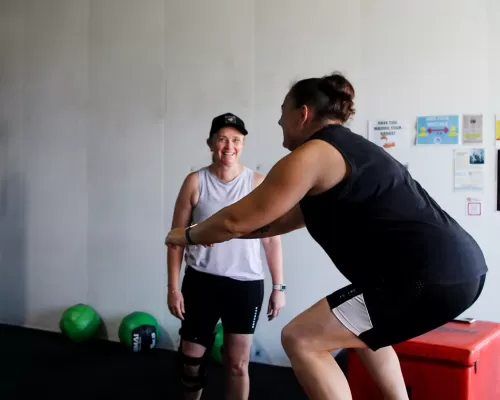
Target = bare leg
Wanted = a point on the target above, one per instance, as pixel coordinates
(384, 368)
(236, 359)
(195, 351)
(308, 341)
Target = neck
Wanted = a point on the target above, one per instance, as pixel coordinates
(226, 173)
(316, 126)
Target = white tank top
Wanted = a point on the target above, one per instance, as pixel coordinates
(237, 258)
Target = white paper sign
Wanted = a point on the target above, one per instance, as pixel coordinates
(469, 169)
(472, 129)
(388, 133)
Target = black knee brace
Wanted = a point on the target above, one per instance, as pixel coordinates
(192, 383)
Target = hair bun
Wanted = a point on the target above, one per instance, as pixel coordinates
(338, 86)
(331, 96)
(333, 90)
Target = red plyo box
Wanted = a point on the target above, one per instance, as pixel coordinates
(457, 361)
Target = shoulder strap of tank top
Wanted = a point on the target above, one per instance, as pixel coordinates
(202, 181)
(343, 139)
(250, 178)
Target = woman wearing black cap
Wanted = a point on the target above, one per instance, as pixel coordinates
(224, 282)
(412, 266)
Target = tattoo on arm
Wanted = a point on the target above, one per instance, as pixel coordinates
(262, 230)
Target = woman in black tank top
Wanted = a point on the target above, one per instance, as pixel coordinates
(347, 191)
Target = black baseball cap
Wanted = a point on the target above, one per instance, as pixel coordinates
(228, 119)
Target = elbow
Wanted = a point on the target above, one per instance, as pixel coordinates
(237, 224)
(271, 242)
(231, 226)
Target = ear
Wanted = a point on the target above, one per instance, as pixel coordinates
(305, 114)
(209, 143)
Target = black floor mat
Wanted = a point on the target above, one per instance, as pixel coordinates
(44, 365)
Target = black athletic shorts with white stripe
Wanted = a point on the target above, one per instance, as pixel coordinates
(392, 313)
(208, 298)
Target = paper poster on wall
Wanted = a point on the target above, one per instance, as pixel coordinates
(472, 129)
(473, 207)
(469, 169)
(388, 133)
(439, 129)
(497, 135)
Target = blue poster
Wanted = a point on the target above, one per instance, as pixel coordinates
(440, 129)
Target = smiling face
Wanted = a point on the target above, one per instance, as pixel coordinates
(226, 146)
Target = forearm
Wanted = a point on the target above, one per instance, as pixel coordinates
(289, 222)
(274, 257)
(268, 231)
(174, 263)
(216, 229)
(228, 224)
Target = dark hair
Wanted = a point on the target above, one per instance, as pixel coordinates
(331, 96)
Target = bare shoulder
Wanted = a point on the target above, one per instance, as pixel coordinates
(190, 188)
(310, 158)
(318, 147)
(316, 162)
(331, 166)
(312, 168)
(191, 180)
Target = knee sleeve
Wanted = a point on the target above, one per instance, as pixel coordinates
(195, 381)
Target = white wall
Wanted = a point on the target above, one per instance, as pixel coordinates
(105, 106)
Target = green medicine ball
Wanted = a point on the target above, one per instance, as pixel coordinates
(139, 331)
(79, 322)
(217, 350)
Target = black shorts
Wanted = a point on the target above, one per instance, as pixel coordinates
(208, 298)
(393, 313)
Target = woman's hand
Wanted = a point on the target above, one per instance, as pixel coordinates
(176, 303)
(177, 237)
(276, 303)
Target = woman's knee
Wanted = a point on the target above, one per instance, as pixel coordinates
(236, 365)
(303, 336)
(237, 353)
(293, 338)
(192, 368)
(192, 349)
